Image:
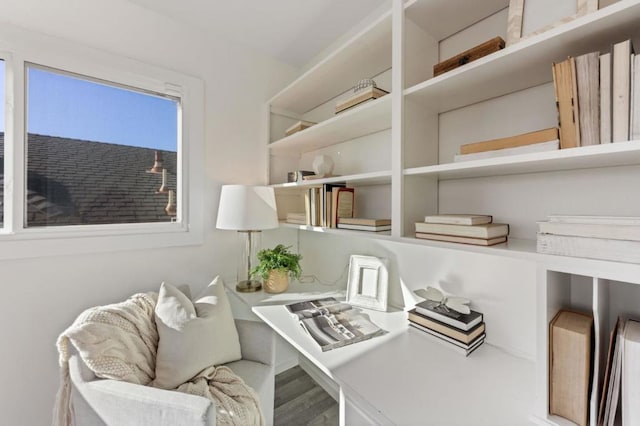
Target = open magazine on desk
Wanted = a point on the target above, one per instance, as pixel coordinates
(332, 323)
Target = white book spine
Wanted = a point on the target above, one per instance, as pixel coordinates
(614, 232)
(595, 220)
(591, 248)
(621, 81)
(631, 374)
(605, 98)
(635, 99)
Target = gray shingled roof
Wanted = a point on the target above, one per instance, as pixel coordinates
(74, 181)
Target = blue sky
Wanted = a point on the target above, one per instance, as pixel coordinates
(60, 105)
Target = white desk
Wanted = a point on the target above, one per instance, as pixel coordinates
(404, 378)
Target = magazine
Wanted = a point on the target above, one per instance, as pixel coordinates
(332, 323)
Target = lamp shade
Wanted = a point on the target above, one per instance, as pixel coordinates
(247, 208)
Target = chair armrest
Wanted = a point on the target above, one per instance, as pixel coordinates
(121, 403)
(257, 341)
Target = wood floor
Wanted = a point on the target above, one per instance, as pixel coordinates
(300, 401)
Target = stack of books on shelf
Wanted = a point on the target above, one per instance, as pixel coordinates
(594, 237)
(365, 95)
(538, 141)
(326, 203)
(598, 97)
(299, 126)
(463, 228)
(296, 218)
(463, 333)
(364, 224)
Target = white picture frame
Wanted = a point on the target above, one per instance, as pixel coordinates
(368, 283)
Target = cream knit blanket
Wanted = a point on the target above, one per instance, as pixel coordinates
(120, 341)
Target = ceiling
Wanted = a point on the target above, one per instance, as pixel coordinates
(291, 31)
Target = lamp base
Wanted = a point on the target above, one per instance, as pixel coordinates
(248, 286)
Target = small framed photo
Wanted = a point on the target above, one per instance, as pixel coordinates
(368, 283)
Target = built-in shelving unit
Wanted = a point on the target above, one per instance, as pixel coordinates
(410, 173)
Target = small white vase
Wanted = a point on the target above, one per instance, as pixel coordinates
(323, 165)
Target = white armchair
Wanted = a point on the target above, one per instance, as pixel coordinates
(111, 402)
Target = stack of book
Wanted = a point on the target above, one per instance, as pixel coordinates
(538, 141)
(368, 94)
(326, 203)
(594, 237)
(598, 97)
(296, 218)
(364, 224)
(297, 127)
(461, 332)
(463, 228)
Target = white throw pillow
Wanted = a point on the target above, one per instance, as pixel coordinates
(193, 335)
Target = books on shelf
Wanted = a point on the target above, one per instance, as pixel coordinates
(530, 138)
(462, 240)
(594, 237)
(605, 98)
(566, 91)
(436, 311)
(525, 149)
(465, 350)
(591, 248)
(604, 408)
(588, 80)
(319, 203)
(485, 230)
(300, 125)
(364, 95)
(296, 218)
(364, 224)
(476, 52)
(631, 374)
(570, 365)
(344, 203)
(459, 219)
(333, 324)
(635, 100)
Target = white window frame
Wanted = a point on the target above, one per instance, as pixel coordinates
(16, 241)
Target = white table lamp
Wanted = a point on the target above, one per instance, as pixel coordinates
(248, 210)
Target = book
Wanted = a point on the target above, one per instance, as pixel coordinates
(333, 324)
(614, 232)
(595, 220)
(364, 95)
(630, 391)
(462, 240)
(621, 90)
(327, 199)
(363, 221)
(446, 338)
(605, 98)
(469, 55)
(635, 100)
(570, 365)
(588, 78)
(463, 337)
(300, 125)
(530, 138)
(604, 389)
(434, 310)
(566, 91)
(344, 203)
(591, 248)
(463, 350)
(615, 372)
(525, 149)
(459, 219)
(485, 230)
(378, 228)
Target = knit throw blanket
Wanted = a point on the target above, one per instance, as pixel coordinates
(120, 342)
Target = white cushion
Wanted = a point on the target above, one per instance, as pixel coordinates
(193, 335)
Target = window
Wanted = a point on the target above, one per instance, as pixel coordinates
(98, 153)
(85, 140)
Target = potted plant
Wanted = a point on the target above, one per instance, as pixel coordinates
(276, 266)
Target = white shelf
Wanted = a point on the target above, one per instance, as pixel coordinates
(365, 55)
(605, 155)
(442, 18)
(514, 247)
(372, 178)
(360, 121)
(527, 63)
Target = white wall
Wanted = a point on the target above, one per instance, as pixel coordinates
(42, 296)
